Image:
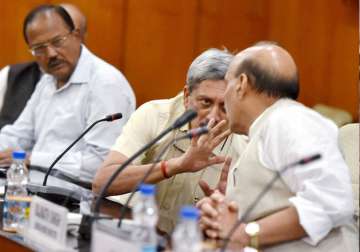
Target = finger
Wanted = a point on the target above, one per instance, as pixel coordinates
(219, 127)
(209, 223)
(219, 138)
(203, 201)
(218, 197)
(211, 233)
(194, 141)
(205, 188)
(211, 124)
(208, 210)
(233, 206)
(225, 169)
(5, 161)
(216, 160)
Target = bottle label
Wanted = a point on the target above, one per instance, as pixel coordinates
(16, 211)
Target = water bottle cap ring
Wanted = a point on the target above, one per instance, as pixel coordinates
(19, 155)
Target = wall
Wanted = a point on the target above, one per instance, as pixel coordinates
(154, 41)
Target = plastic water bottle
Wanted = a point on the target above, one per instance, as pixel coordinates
(187, 236)
(16, 205)
(145, 215)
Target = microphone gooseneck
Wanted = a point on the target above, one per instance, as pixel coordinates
(190, 134)
(186, 117)
(303, 161)
(108, 118)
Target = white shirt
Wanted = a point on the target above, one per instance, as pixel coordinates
(3, 83)
(323, 188)
(53, 118)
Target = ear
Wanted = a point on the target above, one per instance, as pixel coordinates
(242, 85)
(186, 96)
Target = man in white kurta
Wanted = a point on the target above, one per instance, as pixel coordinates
(310, 207)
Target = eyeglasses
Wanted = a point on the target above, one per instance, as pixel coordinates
(58, 42)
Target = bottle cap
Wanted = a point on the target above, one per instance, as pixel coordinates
(189, 212)
(19, 155)
(147, 189)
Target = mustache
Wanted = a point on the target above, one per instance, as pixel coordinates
(53, 62)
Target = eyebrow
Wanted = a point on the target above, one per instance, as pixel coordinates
(47, 41)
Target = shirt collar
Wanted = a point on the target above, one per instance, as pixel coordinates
(82, 70)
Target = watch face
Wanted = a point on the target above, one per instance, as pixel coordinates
(252, 228)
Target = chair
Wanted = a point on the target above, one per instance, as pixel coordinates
(339, 116)
(349, 146)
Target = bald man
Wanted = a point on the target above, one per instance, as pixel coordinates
(78, 18)
(309, 208)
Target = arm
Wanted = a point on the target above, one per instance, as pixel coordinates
(218, 217)
(323, 197)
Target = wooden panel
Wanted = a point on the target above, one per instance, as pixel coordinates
(106, 23)
(159, 46)
(13, 48)
(323, 38)
(231, 24)
(153, 41)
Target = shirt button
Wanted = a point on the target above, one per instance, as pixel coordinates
(166, 206)
(196, 199)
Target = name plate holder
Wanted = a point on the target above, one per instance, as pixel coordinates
(47, 225)
(107, 237)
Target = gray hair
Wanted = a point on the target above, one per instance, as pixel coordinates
(210, 65)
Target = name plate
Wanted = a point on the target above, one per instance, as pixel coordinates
(47, 223)
(107, 237)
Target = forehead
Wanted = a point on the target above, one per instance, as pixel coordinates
(45, 26)
(211, 88)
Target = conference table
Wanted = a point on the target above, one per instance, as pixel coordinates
(15, 242)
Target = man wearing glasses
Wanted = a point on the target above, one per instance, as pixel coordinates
(18, 81)
(76, 89)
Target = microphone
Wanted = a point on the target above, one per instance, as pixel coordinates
(113, 117)
(303, 161)
(186, 117)
(190, 134)
(108, 118)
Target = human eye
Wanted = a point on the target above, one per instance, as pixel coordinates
(58, 42)
(39, 49)
(205, 102)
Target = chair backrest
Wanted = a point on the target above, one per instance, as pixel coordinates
(339, 116)
(349, 146)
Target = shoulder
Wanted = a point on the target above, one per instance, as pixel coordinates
(294, 117)
(158, 114)
(163, 109)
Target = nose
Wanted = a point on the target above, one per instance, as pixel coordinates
(51, 52)
(215, 114)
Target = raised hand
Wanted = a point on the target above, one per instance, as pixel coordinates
(199, 155)
(221, 186)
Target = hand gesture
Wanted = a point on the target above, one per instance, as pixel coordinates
(200, 153)
(221, 186)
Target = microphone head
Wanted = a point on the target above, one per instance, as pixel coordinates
(113, 117)
(197, 132)
(186, 117)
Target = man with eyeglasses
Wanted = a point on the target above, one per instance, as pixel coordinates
(76, 89)
(18, 81)
(190, 169)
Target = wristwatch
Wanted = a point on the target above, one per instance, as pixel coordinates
(252, 229)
